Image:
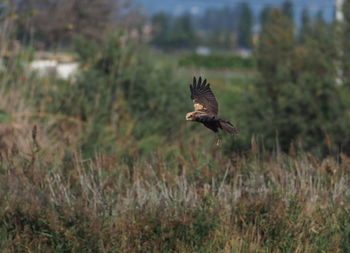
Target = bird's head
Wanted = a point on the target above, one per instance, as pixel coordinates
(190, 116)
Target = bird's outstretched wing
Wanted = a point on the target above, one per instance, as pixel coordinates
(203, 98)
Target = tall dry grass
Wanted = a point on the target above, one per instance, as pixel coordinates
(196, 200)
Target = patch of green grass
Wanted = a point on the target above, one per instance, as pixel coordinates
(217, 61)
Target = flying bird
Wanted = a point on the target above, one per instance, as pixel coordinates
(206, 108)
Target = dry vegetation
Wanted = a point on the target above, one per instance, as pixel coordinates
(192, 200)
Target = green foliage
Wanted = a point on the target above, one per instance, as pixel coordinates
(344, 36)
(344, 228)
(306, 27)
(121, 90)
(4, 117)
(183, 33)
(173, 32)
(217, 61)
(161, 24)
(287, 10)
(245, 26)
(295, 98)
(264, 15)
(159, 232)
(218, 27)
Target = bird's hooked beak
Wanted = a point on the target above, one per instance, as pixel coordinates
(189, 116)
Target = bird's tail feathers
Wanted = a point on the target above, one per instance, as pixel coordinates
(228, 127)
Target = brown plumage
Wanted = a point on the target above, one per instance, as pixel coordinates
(206, 108)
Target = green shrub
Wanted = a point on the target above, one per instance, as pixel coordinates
(344, 229)
(120, 93)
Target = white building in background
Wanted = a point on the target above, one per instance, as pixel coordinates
(59, 66)
(201, 50)
(63, 70)
(67, 70)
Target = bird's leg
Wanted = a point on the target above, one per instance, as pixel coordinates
(218, 142)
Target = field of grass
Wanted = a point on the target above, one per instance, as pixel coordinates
(192, 200)
(63, 189)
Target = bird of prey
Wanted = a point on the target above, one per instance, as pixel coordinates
(206, 108)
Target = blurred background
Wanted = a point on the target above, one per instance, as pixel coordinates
(120, 69)
(95, 151)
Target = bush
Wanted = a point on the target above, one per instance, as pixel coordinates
(121, 94)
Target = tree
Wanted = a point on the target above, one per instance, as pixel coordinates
(296, 97)
(161, 28)
(305, 26)
(287, 9)
(264, 15)
(245, 26)
(344, 34)
(276, 45)
(171, 32)
(322, 124)
(274, 59)
(183, 34)
(320, 17)
(218, 27)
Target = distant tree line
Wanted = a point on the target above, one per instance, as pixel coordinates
(216, 28)
(173, 32)
(226, 28)
(55, 23)
(47, 23)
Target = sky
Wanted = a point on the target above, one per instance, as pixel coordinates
(178, 7)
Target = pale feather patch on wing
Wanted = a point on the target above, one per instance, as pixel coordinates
(202, 94)
(198, 107)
